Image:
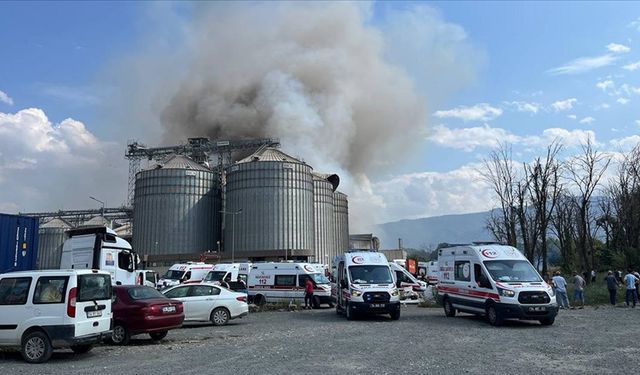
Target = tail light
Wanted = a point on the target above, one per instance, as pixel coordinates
(71, 303)
(152, 310)
(242, 298)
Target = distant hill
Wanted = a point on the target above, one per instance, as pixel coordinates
(431, 231)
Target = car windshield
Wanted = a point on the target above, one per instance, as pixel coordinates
(519, 271)
(319, 278)
(144, 292)
(215, 275)
(173, 275)
(370, 274)
(94, 287)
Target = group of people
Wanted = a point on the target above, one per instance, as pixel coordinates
(631, 282)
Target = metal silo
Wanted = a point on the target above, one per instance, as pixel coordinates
(341, 210)
(176, 209)
(324, 218)
(275, 193)
(51, 237)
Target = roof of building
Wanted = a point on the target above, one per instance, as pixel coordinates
(56, 223)
(96, 221)
(269, 154)
(179, 162)
(333, 179)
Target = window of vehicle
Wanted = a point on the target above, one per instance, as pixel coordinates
(179, 292)
(462, 270)
(370, 274)
(402, 277)
(215, 275)
(200, 290)
(14, 290)
(93, 287)
(187, 276)
(285, 280)
(512, 271)
(125, 261)
(480, 277)
(144, 292)
(50, 289)
(319, 278)
(173, 275)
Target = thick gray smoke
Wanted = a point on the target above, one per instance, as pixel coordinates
(312, 75)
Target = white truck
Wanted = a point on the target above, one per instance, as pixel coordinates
(99, 248)
(365, 284)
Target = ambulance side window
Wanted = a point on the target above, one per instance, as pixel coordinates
(462, 270)
(480, 277)
(285, 280)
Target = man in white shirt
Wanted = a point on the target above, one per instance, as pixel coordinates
(561, 290)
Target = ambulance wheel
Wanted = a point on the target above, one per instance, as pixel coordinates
(395, 315)
(547, 321)
(493, 317)
(259, 300)
(316, 302)
(36, 347)
(349, 313)
(449, 311)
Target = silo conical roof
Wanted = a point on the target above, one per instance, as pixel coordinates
(97, 221)
(179, 162)
(270, 154)
(56, 223)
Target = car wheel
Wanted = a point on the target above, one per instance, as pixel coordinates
(493, 316)
(547, 321)
(316, 302)
(157, 336)
(36, 347)
(449, 310)
(220, 316)
(120, 335)
(81, 349)
(395, 315)
(348, 312)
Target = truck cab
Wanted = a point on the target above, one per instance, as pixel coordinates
(100, 248)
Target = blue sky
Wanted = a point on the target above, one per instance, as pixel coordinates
(522, 72)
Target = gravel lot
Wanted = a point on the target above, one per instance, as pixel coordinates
(593, 340)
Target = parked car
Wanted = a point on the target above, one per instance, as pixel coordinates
(139, 309)
(45, 310)
(208, 302)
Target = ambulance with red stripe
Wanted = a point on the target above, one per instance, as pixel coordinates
(493, 280)
(285, 282)
(184, 273)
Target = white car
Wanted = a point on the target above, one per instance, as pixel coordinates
(208, 302)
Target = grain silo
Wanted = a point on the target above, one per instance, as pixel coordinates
(324, 217)
(176, 210)
(269, 207)
(51, 237)
(341, 210)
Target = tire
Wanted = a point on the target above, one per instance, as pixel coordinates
(120, 335)
(331, 305)
(220, 316)
(81, 349)
(36, 347)
(348, 313)
(547, 321)
(395, 315)
(259, 300)
(316, 302)
(493, 316)
(157, 336)
(449, 310)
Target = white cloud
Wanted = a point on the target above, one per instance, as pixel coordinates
(4, 98)
(625, 144)
(622, 100)
(587, 120)
(602, 106)
(632, 66)
(564, 105)
(573, 117)
(629, 90)
(530, 107)
(478, 112)
(605, 85)
(468, 139)
(618, 48)
(584, 64)
(635, 24)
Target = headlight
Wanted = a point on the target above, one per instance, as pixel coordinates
(356, 293)
(551, 292)
(506, 292)
(394, 292)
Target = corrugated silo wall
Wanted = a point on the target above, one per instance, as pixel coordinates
(325, 223)
(341, 210)
(176, 211)
(50, 248)
(276, 199)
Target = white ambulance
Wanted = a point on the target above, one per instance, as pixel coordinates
(429, 272)
(228, 272)
(285, 282)
(365, 284)
(493, 280)
(181, 273)
(410, 287)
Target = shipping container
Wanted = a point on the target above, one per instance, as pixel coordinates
(18, 243)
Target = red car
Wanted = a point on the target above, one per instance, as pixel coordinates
(139, 309)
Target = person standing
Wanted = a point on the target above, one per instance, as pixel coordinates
(612, 286)
(593, 276)
(630, 281)
(578, 289)
(308, 294)
(561, 290)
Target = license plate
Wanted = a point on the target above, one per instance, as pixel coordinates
(377, 305)
(538, 308)
(94, 314)
(169, 309)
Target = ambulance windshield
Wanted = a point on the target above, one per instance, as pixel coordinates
(319, 278)
(215, 275)
(370, 274)
(173, 275)
(516, 271)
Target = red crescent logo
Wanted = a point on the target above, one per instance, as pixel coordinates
(357, 259)
(487, 253)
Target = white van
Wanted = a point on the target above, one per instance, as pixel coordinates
(365, 284)
(429, 272)
(228, 272)
(44, 310)
(412, 287)
(285, 282)
(189, 273)
(147, 278)
(496, 281)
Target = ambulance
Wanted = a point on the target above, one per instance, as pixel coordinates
(228, 272)
(189, 273)
(285, 282)
(365, 284)
(493, 280)
(410, 287)
(429, 272)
